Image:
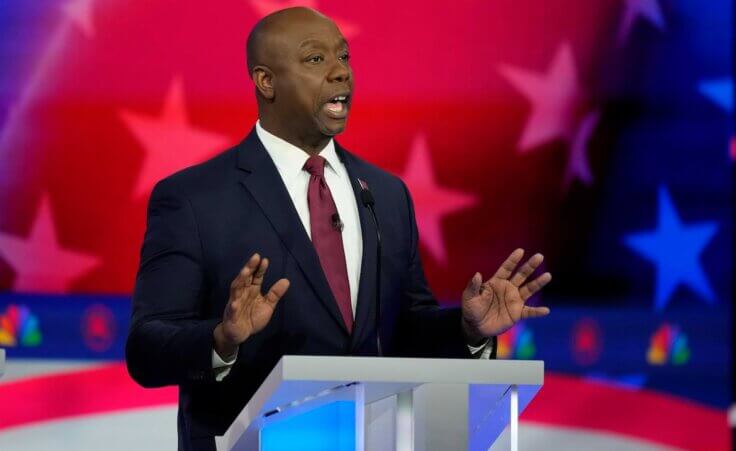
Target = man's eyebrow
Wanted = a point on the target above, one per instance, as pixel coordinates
(312, 42)
(317, 43)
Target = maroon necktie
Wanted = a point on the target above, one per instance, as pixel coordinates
(327, 236)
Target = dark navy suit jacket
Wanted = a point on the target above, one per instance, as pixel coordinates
(205, 222)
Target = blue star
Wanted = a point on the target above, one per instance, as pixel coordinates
(675, 249)
(719, 92)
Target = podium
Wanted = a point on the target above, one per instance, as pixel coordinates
(384, 404)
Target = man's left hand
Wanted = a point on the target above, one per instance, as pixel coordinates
(492, 307)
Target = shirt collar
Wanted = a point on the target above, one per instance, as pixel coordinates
(289, 159)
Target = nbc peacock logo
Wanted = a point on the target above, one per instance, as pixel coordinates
(516, 343)
(668, 345)
(19, 326)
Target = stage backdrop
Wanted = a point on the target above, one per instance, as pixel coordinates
(597, 132)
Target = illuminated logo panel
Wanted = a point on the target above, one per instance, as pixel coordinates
(668, 345)
(19, 327)
(517, 343)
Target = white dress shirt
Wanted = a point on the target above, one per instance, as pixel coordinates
(289, 161)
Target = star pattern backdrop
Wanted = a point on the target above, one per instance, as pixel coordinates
(599, 133)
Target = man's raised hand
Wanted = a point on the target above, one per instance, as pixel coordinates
(247, 311)
(494, 306)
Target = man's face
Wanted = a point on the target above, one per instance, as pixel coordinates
(313, 82)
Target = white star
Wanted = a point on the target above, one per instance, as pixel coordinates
(41, 263)
(555, 96)
(266, 7)
(79, 12)
(647, 9)
(577, 164)
(432, 202)
(169, 140)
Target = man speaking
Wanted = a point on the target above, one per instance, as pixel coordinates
(271, 248)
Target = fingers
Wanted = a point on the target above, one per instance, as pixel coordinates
(508, 266)
(473, 287)
(252, 263)
(276, 292)
(260, 272)
(245, 276)
(252, 274)
(534, 312)
(527, 269)
(531, 288)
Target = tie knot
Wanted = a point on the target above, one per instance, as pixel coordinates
(315, 165)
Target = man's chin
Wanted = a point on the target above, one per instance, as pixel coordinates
(332, 127)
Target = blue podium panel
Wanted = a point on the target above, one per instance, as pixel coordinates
(327, 428)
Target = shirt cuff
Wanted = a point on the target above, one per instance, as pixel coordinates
(222, 368)
(483, 351)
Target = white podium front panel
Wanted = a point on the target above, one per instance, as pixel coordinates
(455, 403)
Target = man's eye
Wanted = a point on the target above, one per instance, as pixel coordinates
(345, 57)
(315, 59)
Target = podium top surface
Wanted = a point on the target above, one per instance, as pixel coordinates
(409, 370)
(296, 377)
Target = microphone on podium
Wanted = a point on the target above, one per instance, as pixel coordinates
(367, 198)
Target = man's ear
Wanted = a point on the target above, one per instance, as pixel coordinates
(263, 79)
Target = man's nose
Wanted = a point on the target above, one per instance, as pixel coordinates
(340, 72)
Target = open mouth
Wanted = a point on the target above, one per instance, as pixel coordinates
(337, 107)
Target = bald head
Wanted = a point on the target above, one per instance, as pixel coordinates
(266, 38)
(299, 63)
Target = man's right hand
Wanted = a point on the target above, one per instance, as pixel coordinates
(247, 311)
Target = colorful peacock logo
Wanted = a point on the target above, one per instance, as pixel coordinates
(19, 326)
(516, 343)
(668, 344)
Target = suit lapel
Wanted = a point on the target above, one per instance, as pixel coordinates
(261, 178)
(367, 285)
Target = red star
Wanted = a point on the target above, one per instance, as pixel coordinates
(41, 264)
(170, 142)
(431, 202)
(556, 99)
